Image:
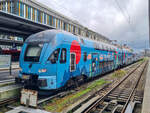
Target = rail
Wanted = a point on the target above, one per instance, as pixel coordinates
(129, 98)
(90, 107)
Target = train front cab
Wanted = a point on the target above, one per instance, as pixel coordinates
(38, 62)
(49, 65)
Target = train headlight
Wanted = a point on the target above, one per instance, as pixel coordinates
(52, 82)
(42, 82)
(42, 70)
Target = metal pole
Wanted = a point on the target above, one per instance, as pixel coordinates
(10, 66)
(10, 69)
(149, 20)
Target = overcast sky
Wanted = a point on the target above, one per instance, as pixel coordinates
(123, 20)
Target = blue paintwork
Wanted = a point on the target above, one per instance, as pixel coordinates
(59, 73)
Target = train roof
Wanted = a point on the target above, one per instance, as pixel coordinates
(44, 36)
(50, 36)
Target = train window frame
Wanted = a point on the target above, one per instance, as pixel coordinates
(54, 60)
(93, 66)
(61, 56)
(32, 58)
(74, 63)
(100, 64)
(85, 56)
(82, 41)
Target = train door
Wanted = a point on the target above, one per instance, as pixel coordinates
(115, 59)
(62, 66)
(52, 62)
(100, 66)
(95, 64)
(101, 63)
(72, 62)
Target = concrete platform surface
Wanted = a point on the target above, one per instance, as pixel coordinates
(146, 100)
(5, 74)
(9, 91)
(22, 109)
(14, 65)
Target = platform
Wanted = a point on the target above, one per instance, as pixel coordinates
(14, 65)
(22, 109)
(5, 72)
(9, 91)
(146, 100)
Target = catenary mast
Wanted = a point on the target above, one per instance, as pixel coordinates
(149, 20)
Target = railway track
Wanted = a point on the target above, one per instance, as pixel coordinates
(115, 98)
(8, 101)
(44, 100)
(7, 81)
(9, 94)
(62, 94)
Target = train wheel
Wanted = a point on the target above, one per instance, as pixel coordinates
(76, 84)
(70, 83)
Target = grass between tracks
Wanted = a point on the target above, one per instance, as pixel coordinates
(145, 59)
(58, 104)
(119, 73)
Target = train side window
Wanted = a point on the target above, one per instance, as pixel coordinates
(105, 64)
(72, 62)
(85, 56)
(63, 55)
(100, 64)
(54, 56)
(108, 63)
(82, 41)
(93, 66)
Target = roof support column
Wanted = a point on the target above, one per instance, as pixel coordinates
(15, 7)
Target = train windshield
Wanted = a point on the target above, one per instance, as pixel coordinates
(33, 52)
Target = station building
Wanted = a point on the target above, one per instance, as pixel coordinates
(8, 42)
(41, 14)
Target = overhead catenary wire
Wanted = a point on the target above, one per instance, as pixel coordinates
(75, 17)
(127, 17)
(149, 20)
(124, 13)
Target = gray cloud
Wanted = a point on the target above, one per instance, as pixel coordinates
(105, 17)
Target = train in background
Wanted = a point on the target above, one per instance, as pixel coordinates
(53, 59)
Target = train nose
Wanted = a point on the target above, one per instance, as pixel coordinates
(42, 83)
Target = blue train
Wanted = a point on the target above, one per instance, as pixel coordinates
(53, 59)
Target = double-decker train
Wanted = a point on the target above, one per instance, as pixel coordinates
(53, 59)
